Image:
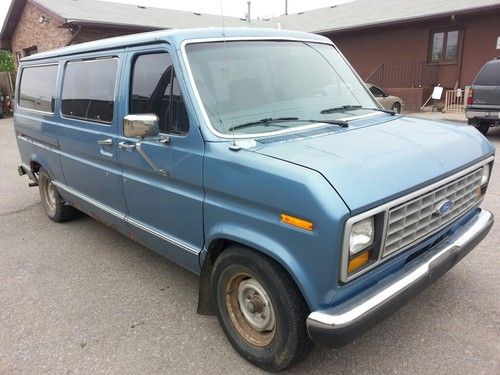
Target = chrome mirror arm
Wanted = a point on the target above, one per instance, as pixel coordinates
(148, 160)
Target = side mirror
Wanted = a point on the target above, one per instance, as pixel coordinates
(141, 126)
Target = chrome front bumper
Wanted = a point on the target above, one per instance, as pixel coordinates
(341, 324)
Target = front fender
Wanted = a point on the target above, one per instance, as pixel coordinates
(268, 246)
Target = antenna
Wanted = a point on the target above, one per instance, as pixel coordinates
(233, 146)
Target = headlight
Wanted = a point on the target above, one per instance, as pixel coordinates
(362, 235)
(486, 175)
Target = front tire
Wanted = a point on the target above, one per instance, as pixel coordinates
(260, 309)
(396, 107)
(54, 205)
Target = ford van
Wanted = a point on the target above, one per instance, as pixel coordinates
(259, 160)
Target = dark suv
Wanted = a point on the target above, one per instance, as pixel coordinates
(483, 101)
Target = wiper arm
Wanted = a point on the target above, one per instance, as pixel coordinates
(341, 108)
(349, 107)
(263, 121)
(341, 123)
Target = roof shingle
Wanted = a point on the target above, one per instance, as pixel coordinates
(93, 11)
(365, 13)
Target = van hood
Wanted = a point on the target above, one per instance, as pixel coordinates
(371, 164)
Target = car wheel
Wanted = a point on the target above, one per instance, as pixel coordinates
(396, 107)
(55, 207)
(260, 309)
(483, 127)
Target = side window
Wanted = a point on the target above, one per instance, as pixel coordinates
(376, 92)
(37, 88)
(155, 90)
(89, 90)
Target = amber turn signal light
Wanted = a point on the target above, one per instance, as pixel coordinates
(296, 222)
(358, 261)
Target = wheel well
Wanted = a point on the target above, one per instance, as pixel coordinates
(35, 166)
(215, 249)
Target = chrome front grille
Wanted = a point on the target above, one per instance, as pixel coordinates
(419, 217)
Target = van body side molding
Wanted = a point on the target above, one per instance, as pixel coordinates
(124, 217)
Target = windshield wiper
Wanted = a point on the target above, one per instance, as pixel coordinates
(340, 109)
(341, 123)
(263, 121)
(351, 107)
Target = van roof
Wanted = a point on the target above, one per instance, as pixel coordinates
(174, 37)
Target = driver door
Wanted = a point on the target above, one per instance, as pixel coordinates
(162, 176)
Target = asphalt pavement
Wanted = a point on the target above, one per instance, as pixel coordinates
(80, 298)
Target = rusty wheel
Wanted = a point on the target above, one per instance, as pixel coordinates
(250, 309)
(260, 309)
(54, 205)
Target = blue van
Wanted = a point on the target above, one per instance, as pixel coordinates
(259, 160)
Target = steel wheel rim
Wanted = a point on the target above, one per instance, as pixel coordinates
(50, 194)
(250, 310)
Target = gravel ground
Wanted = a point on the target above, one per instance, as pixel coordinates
(81, 298)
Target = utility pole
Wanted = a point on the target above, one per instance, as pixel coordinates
(286, 7)
(248, 14)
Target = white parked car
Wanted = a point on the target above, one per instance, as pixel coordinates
(388, 101)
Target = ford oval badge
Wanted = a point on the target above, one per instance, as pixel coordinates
(444, 207)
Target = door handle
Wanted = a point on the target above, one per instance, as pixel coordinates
(105, 142)
(126, 145)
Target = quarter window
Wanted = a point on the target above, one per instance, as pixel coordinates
(444, 46)
(155, 89)
(37, 88)
(89, 90)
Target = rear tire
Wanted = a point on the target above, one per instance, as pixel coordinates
(260, 309)
(54, 205)
(483, 127)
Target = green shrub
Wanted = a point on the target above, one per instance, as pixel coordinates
(6, 61)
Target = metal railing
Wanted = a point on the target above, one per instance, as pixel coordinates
(407, 74)
(454, 100)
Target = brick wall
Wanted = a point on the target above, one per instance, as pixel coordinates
(479, 45)
(51, 34)
(89, 34)
(413, 98)
(367, 49)
(30, 32)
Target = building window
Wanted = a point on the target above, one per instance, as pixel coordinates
(444, 46)
(30, 51)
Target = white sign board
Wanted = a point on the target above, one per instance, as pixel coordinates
(437, 92)
(498, 42)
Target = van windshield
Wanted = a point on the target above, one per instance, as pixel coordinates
(244, 82)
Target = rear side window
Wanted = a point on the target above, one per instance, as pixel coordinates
(89, 90)
(489, 75)
(155, 90)
(37, 88)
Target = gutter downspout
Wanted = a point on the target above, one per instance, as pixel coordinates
(75, 34)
